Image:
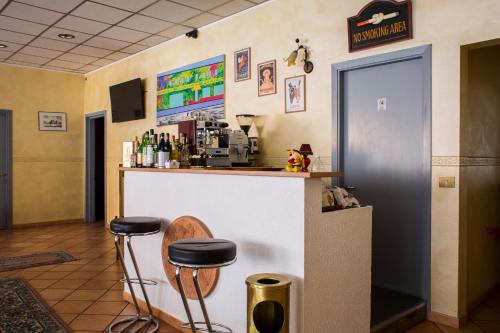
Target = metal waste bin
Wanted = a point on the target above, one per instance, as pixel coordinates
(268, 303)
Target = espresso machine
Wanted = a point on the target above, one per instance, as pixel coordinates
(246, 121)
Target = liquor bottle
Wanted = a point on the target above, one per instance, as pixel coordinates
(150, 153)
(162, 152)
(185, 153)
(155, 150)
(168, 145)
(145, 143)
(133, 156)
(139, 153)
(174, 155)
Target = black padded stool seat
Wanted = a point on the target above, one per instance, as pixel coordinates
(135, 225)
(202, 251)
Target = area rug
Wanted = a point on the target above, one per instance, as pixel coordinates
(36, 259)
(22, 310)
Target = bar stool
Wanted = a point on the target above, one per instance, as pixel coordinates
(130, 227)
(199, 253)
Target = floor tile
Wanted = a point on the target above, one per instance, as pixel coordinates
(484, 313)
(115, 276)
(55, 294)
(107, 308)
(93, 268)
(69, 284)
(52, 275)
(42, 284)
(112, 295)
(489, 326)
(468, 328)
(72, 306)
(91, 322)
(81, 275)
(85, 295)
(68, 317)
(98, 284)
(425, 327)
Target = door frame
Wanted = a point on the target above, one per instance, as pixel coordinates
(423, 52)
(8, 151)
(89, 214)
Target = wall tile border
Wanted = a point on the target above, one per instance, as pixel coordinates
(465, 161)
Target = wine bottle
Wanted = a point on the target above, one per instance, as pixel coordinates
(162, 153)
(139, 152)
(174, 155)
(168, 145)
(155, 150)
(145, 144)
(133, 156)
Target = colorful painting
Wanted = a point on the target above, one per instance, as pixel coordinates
(199, 86)
(242, 65)
(267, 78)
(295, 94)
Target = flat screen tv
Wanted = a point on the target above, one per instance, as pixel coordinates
(127, 101)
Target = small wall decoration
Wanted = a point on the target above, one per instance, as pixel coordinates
(380, 22)
(199, 86)
(267, 78)
(301, 52)
(242, 65)
(295, 94)
(51, 121)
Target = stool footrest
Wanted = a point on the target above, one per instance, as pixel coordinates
(130, 322)
(204, 328)
(147, 282)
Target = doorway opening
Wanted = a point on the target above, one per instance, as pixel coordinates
(480, 176)
(5, 169)
(382, 123)
(95, 167)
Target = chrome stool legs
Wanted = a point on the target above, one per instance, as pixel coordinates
(148, 320)
(192, 324)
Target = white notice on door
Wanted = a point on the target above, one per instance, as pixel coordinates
(382, 104)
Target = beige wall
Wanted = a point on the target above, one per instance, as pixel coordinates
(270, 30)
(47, 166)
(480, 181)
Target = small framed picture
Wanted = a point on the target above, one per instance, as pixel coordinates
(267, 78)
(242, 65)
(51, 121)
(295, 94)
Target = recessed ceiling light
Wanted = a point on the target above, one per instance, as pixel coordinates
(66, 36)
(3, 46)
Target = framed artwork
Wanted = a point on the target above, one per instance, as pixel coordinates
(242, 65)
(52, 121)
(295, 94)
(267, 78)
(199, 86)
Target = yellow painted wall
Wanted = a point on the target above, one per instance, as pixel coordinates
(270, 30)
(47, 166)
(480, 189)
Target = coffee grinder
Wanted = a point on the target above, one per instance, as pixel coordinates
(246, 121)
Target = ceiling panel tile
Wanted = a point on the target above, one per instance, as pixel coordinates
(29, 58)
(153, 40)
(102, 62)
(57, 68)
(91, 51)
(64, 64)
(117, 55)
(3, 3)
(5, 54)
(57, 5)
(144, 23)
(132, 5)
(17, 25)
(202, 4)
(30, 13)
(258, 1)
(82, 59)
(107, 43)
(89, 68)
(124, 34)
(22, 63)
(80, 37)
(202, 19)
(100, 13)
(52, 44)
(134, 48)
(232, 7)
(37, 51)
(11, 47)
(14, 37)
(82, 25)
(175, 31)
(170, 11)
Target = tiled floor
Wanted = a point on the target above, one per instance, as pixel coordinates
(87, 293)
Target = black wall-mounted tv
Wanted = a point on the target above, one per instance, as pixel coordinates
(127, 101)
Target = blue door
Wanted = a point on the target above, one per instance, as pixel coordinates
(385, 135)
(5, 169)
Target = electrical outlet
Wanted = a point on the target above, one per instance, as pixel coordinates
(447, 182)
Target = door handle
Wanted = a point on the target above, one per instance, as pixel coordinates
(350, 188)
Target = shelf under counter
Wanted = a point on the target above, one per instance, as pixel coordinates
(242, 171)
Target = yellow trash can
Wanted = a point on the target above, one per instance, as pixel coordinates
(268, 303)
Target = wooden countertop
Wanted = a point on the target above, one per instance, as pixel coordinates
(242, 171)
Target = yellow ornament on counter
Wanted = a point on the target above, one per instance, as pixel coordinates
(295, 161)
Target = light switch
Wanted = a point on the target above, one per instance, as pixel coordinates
(447, 182)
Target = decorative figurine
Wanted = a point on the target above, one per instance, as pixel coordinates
(295, 161)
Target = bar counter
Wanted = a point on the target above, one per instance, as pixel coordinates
(276, 220)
